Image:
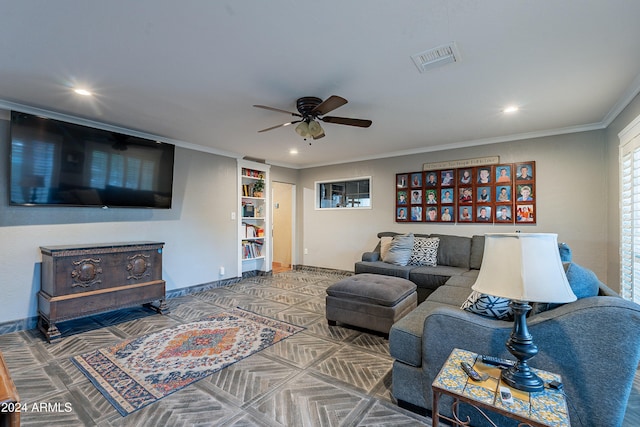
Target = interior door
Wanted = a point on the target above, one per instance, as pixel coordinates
(283, 224)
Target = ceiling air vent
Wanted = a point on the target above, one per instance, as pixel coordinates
(437, 56)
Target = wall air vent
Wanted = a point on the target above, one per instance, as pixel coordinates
(437, 56)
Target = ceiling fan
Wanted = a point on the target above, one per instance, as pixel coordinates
(312, 109)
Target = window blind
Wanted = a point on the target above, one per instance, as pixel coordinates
(630, 212)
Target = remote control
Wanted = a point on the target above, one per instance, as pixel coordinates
(472, 373)
(496, 361)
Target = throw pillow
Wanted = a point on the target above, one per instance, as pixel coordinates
(565, 252)
(400, 249)
(584, 282)
(488, 305)
(425, 251)
(385, 244)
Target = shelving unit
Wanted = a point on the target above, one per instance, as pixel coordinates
(254, 224)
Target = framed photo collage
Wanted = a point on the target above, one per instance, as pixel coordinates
(500, 193)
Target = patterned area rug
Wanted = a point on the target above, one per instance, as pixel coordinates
(140, 371)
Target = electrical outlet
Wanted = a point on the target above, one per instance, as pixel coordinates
(233, 216)
(306, 251)
(222, 271)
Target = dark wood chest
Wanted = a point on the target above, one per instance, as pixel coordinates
(81, 280)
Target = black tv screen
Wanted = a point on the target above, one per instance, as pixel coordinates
(56, 163)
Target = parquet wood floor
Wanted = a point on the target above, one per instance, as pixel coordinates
(324, 376)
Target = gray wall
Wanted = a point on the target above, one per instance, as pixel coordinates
(198, 231)
(571, 178)
(577, 197)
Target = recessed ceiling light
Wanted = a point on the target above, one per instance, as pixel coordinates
(510, 109)
(82, 92)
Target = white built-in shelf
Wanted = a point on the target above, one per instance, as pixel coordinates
(254, 245)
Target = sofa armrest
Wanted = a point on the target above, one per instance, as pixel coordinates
(606, 291)
(371, 256)
(449, 327)
(574, 340)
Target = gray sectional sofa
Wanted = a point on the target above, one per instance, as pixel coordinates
(593, 343)
(457, 256)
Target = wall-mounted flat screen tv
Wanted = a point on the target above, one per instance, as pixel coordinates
(56, 163)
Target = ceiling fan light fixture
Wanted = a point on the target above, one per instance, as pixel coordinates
(303, 129)
(312, 110)
(315, 129)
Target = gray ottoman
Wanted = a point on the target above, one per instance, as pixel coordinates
(370, 301)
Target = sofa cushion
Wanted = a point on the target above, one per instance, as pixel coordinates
(386, 269)
(440, 270)
(405, 336)
(433, 277)
(450, 295)
(488, 306)
(463, 281)
(472, 273)
(453, 251)
(400, 249)
(477, 252)
(372, 289)
(425, 251)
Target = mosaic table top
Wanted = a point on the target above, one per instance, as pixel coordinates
(547, 407)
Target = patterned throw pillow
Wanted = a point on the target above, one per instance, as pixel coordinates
(425, 251)
(489, 306)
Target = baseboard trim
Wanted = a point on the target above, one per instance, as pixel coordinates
(18, 325)
(310, 268)
(202, 287)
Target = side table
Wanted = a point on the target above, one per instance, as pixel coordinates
(540, 409)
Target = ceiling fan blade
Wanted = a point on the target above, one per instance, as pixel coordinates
(278, 110)
(347, 121)
(329, 104)
(279, 126)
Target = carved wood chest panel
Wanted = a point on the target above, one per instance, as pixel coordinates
(81, 280)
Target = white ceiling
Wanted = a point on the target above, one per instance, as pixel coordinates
(190, 71)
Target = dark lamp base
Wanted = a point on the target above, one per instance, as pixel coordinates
(522, 380)
(521, 345)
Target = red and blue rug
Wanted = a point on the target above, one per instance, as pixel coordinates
(140, 371)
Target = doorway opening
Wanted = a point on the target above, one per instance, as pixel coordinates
(283, 199)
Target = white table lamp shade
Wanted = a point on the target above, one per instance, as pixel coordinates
(523, 267)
